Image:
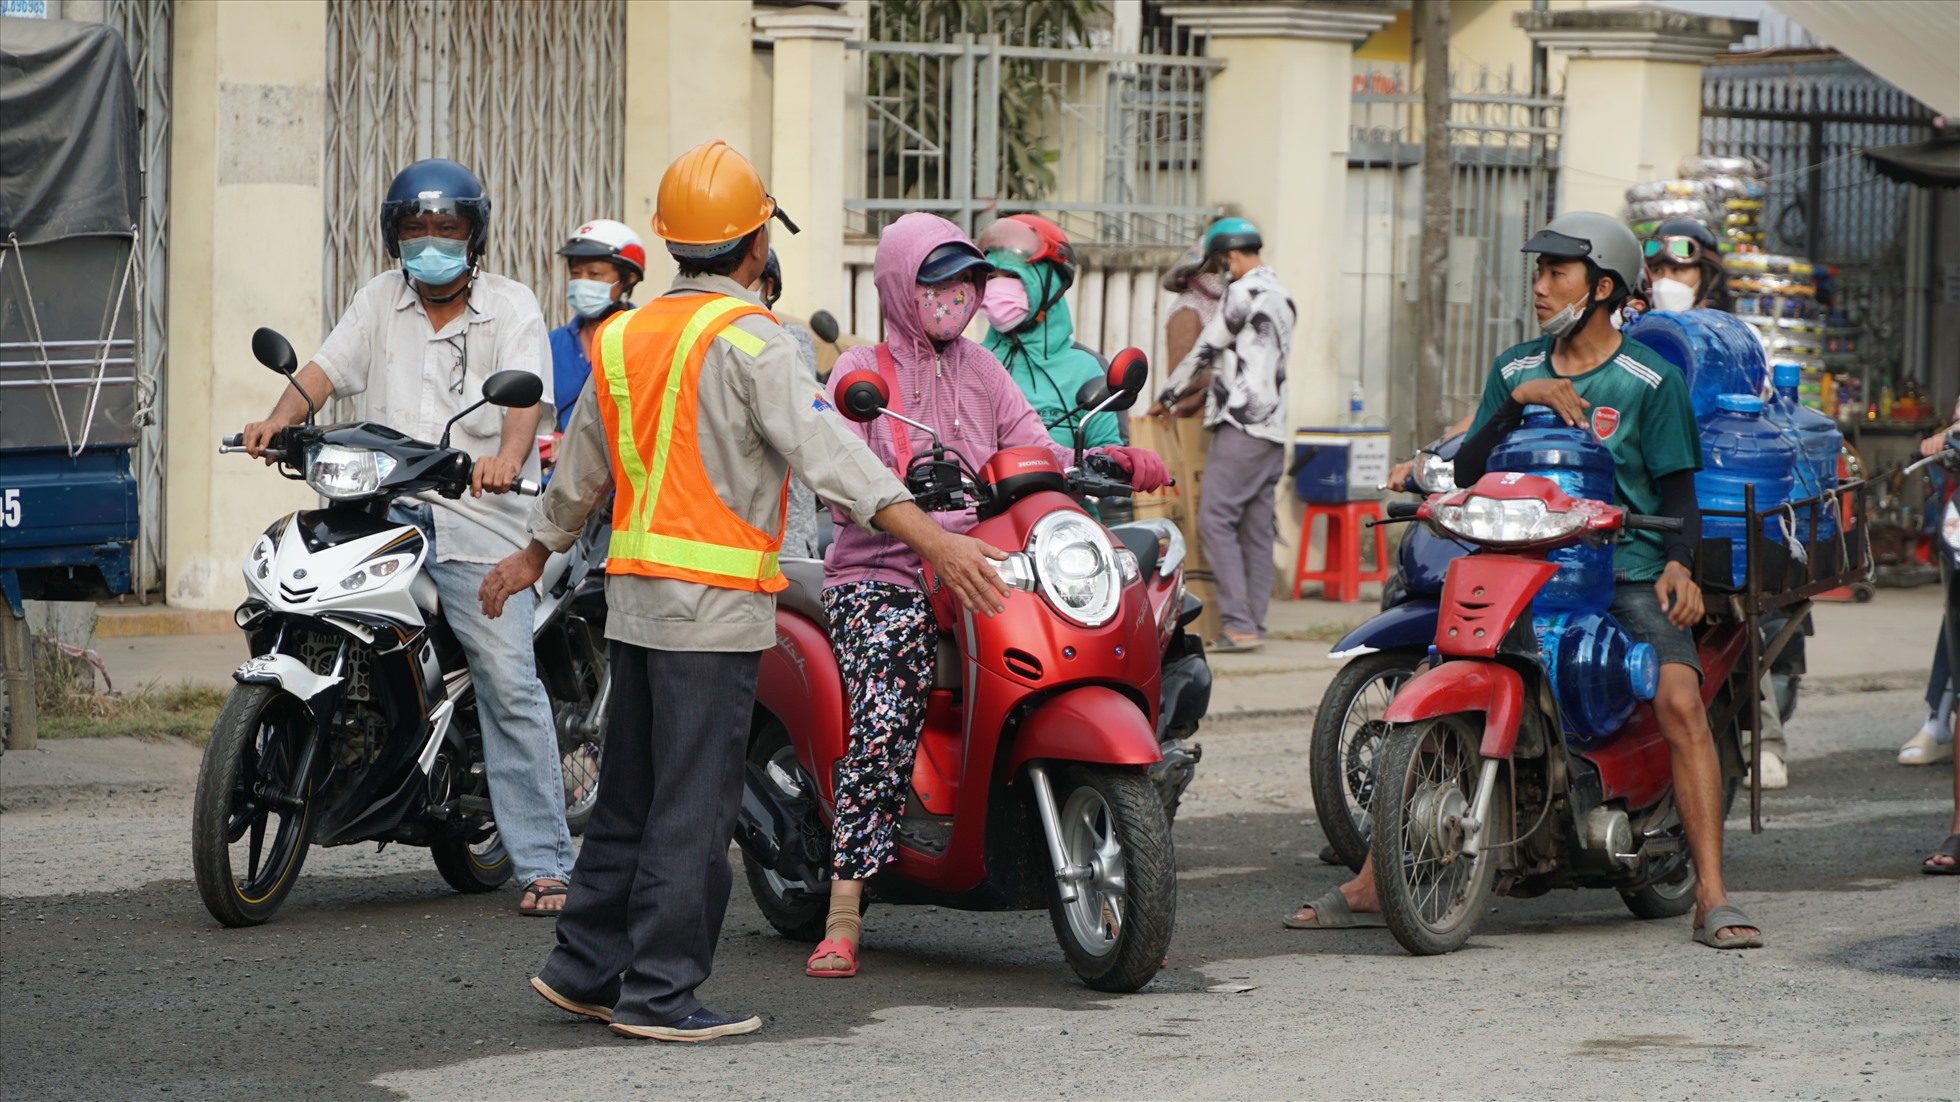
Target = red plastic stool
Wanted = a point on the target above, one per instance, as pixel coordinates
(1340, 579)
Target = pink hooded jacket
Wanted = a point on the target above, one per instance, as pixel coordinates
(960, 390)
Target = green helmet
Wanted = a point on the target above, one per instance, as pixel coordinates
(1600, 238)
(1227, 234)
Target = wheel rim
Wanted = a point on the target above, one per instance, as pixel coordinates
(1677, 886)
(1362, 730)
(1091, 846)
(581, 773)
(1437, 792)
(264, 765)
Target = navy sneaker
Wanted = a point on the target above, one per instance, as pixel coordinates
(702, 1025)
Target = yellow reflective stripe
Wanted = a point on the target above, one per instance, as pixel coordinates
(746, 341)
(705, 558)
(612, 358)
(664, 436)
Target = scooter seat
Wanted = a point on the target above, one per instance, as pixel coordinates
(805, 593)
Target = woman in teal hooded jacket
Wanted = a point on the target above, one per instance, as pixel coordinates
(1032, 333)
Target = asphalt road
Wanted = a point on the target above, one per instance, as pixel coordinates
(377, 982)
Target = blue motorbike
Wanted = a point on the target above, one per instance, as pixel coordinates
(1380, 654)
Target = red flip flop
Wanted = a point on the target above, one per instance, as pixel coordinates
(832, 947)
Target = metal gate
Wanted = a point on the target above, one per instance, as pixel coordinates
(1504, 162)
(145, 27)
(1808, 117)
(529, 95)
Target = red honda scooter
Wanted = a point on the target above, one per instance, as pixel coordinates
(1056, 738)
(1560, 699)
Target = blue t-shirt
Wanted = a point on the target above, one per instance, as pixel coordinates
(569, 368)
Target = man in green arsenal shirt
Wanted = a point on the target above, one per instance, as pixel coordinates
(1636, 404)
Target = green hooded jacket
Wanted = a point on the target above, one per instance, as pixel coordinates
(1043, 361)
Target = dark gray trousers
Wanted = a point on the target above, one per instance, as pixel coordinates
(1235, 522)
(651, 885)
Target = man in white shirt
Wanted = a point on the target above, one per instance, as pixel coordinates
(419, 343)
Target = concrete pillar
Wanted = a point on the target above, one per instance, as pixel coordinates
(248, 104)
(1632, 94)
(688, 78)
(810, 131)
(1276, 146)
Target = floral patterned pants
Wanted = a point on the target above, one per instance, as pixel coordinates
(886, 642)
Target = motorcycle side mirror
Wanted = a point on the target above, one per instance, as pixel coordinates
(513, 389)
(1094, 393)
(862, 395)
(1128, 373)
(825, 326)
(273, 350)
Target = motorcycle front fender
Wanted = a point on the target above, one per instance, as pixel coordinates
(287, 672)
(1090, 724)
(1492, 689)
(1410, 624)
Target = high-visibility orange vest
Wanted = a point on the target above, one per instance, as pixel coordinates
(668, 522)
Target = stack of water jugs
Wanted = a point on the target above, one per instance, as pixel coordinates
(1750, 435)
(1597, 671)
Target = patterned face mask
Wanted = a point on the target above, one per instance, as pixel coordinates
(946, 308)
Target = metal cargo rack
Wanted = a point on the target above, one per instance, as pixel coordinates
(1779, 579)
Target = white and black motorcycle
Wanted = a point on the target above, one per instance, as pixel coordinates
(355, 719)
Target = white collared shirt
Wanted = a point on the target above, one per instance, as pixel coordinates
(426, 377)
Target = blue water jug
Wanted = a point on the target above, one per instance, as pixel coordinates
(1740, 447)
(1597, 672)
(1582, 467)
(1818, 443)
(1717, 353)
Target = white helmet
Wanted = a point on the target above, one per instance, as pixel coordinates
(614, 241)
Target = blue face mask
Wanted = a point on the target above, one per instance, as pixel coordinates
(589, 297)
(434, 261)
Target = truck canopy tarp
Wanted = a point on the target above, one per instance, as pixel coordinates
(68, 147)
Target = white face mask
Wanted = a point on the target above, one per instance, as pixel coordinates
(1564, 323)
(1673, 296)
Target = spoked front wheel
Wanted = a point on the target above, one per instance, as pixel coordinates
(249, 820)
(1347, 742)
(1432, 892)
(1117, 841)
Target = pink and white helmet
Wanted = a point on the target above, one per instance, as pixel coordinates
(614, 241)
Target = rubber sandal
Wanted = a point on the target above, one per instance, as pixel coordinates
(1227, 643)
(832, 947)
(1725, 916)
(538, 896)
(1331, 912)
(570, 1005)
(1948, 849)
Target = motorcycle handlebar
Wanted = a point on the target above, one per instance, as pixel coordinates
(1402, 510)
(526, 487)
(1641, 522)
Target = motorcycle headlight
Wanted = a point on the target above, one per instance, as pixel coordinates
(1516, 521)
(1434, 474)
(1077, 567)
(258, 564)
(1950, 527)
(343, 473)
(373, 573)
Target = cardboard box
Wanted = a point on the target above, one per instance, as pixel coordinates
(1183, 444)
(1340, 464)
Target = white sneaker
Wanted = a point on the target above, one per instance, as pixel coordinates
(1924, 749)
(1775, 773)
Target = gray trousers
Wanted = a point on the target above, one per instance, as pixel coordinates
(651, 885)
(1235, 524)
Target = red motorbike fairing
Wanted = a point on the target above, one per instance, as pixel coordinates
(1091, 723)
(800, 685)
(1489, 688)
(1637, 766)
(1482, 596)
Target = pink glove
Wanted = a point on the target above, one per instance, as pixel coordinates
(1147, 471)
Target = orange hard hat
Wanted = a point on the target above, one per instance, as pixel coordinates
(710, 198)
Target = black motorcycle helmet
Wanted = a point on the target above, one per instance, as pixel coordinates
(772, 279)
(436, 187)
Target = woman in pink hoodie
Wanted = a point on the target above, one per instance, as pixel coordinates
(929, 277)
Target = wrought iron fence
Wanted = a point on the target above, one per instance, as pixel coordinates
(529, 96)
(1504, 160)
(1808, 117)
(1032, 116)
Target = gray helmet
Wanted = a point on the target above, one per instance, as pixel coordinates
(1600, 238)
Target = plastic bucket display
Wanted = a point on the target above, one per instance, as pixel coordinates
(1740, 447)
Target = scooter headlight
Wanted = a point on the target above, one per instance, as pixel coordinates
(1950, 527)
(1434, 474)
(1077, 567)
(1506, 522)
(342, 473)
(373, 573)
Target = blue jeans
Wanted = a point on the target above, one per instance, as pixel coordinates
(520, 749)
